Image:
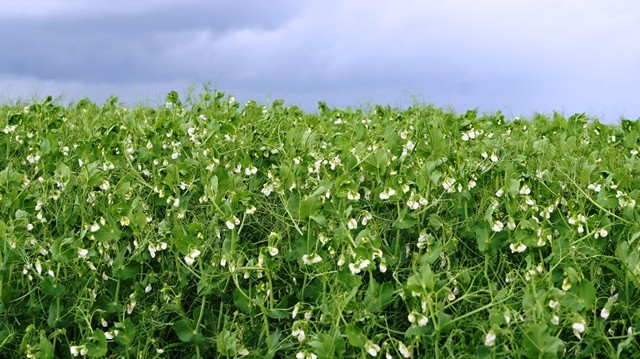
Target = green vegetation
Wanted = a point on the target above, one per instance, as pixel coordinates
(209, 229)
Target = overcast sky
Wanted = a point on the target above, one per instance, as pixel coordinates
(519, 57)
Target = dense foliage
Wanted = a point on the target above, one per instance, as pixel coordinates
(207, 229)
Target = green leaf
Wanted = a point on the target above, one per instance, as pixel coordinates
(49, 287)
(227, 343)
(378, 296)
(607, 199)
(627, 343)
(328, 345)
(45, 146)
(309, 206)
(355, 336)
(537, 342)
(318, 218)
(242, 302)
(62, 173)
(293, 202)
(417, 330)
(482, 234)
(586, 293)
(126, 271)
(122, 188)
(62, 251)
(138, 220)
(10, 178)
(278, 313)
(422, 280)
(97, 344)
(404, 221)
(90, 174)
(435, 221)
(127, 333)
(44, 349)
(107, 235)
(585, 173)
(187, 332)
(273, 341)
(55, 311)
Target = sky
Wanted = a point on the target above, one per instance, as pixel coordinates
(519, 57)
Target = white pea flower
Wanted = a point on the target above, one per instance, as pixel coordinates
(422, 320)
(448, 184)
(406, 353)
(94, 227)
(311, 259)
(152, 250)
(105, 185)
(579, 328)
(273, 251)
(372, 348)
(191, 257)
(604, 313)
(267, 189)
(352, 224)
(387, 193)
(497, 226)
(490, 339)
(82, 253)
(75, 350)
(294, 313)
(383, 267)
(299, 333)
(413, 204)
(358, 266)
(517, 247)
(595, 187)
(366, 218)
(353, 196)
(232, 222)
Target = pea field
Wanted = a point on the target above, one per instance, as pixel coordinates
(208, 228)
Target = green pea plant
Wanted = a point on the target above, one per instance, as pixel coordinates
(206, 228)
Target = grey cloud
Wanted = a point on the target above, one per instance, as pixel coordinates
(124, 48)
(534, 56)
